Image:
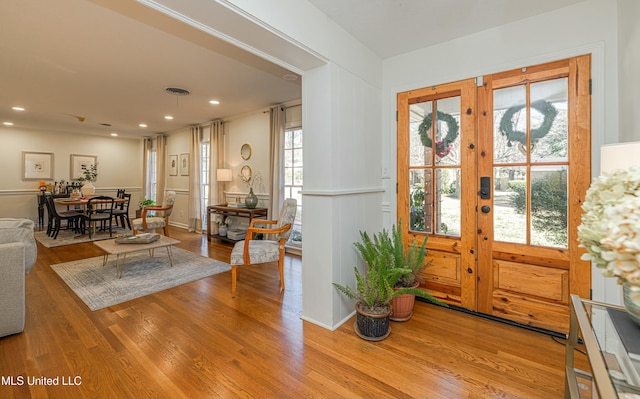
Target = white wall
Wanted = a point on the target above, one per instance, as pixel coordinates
(178, 143)
(342, 193)
(629, 65)
(119, 165)
(252, 129)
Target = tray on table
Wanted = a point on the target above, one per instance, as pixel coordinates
(144, 238)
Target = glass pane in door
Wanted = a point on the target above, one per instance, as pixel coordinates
(549, 121)
(420, 200)
(549, 206)
(447, 131)
(510, 125)
(419, 134)
(510, 204)
(448, 201)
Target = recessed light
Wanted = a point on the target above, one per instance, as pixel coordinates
(168, 117)
(290, 76)
(17, 108)
(143, 125)
(7, 123)
(114, 134)
(214, 102)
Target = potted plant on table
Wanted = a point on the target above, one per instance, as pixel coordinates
(142, 204)
(89, 174)
(375, 286)
(223, 224)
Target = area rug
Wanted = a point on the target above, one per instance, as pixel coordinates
(99, 287)
(69, 237)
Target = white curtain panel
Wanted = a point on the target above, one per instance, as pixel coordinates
(195, 220)
(216, 161)
(146, 147)
(161, 167)
(276, 167)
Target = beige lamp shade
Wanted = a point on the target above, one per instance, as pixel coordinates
(619, 156)
(223, 175)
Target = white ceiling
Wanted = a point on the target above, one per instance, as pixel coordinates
(109, 62)
(393, 27)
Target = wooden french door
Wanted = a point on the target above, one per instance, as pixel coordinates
(493, 175)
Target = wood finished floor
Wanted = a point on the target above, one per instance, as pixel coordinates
(195, 341)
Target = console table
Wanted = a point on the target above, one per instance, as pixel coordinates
(608, 335)
(226, 211)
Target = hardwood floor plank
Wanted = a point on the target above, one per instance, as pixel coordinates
(195, 340)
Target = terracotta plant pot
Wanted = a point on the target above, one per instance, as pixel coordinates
(402, 306)
(372, 327)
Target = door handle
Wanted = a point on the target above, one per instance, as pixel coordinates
(485, 209)
(485, 187)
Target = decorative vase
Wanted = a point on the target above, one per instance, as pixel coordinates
(372, 327)
(251, 201)
(631, 296)
(88, 189)
(222, 230)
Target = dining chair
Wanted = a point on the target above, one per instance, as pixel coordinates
(251, 251)
(121, 211)
(99, 211)
(72, 219)
(161, 218)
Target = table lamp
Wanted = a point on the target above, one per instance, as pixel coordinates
(224, 175)
(619, 156)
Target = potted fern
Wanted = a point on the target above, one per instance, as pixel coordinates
(412, 259)
(375, 286)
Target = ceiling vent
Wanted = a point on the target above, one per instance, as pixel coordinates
(176, 91)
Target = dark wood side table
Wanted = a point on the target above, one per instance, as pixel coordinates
(226, 211)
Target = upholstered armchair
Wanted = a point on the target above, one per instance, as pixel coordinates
(160, 220)
(251, 251)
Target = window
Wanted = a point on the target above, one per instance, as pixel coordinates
(205, 148)
(293, 178)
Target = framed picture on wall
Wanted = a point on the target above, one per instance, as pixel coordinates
(173, 165)
(184, 164)
(37, 165)
(78, 162)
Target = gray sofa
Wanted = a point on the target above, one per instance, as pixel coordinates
(18, 253)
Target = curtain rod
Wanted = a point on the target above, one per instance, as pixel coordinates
(290, 106)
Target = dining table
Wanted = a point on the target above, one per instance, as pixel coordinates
(82, 202)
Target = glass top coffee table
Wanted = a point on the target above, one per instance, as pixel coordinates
(111, 247)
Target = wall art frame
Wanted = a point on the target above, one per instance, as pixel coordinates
(173, 165)
(37, 165)
(78, 161)
(184, 164)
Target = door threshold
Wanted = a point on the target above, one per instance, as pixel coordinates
(501, 320)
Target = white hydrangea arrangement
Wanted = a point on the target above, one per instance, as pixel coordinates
(610, 229)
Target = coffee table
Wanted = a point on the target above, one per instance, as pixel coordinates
(113, 248)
